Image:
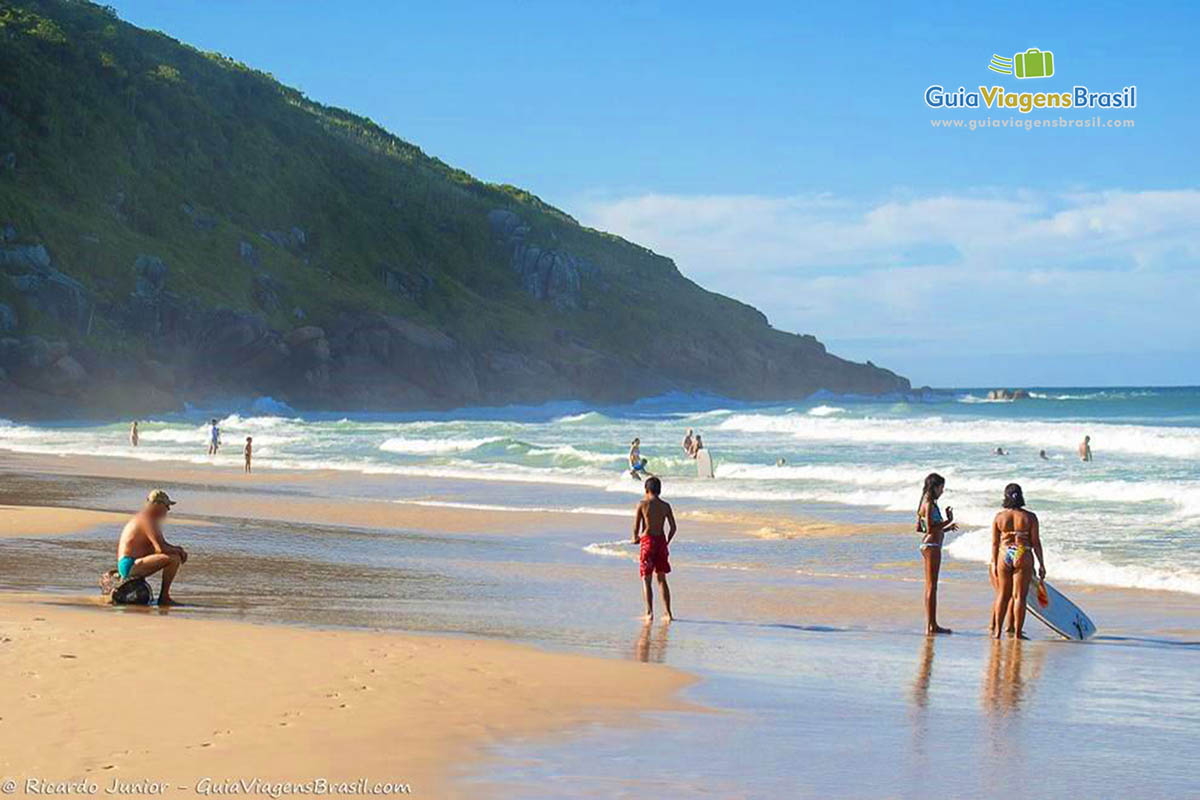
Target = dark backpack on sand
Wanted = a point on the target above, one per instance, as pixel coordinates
(125, 591)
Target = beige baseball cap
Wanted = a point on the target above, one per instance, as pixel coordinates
(161, 497)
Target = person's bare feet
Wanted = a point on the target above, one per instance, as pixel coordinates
(936, 629)
(648, 617)
(669, 617)
(167, 600)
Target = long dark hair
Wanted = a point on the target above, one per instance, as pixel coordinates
(1013, 496)
(931, 480)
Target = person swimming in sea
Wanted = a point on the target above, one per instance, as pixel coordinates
(688, 443)
(1016, 539)
(999, 451)
(933, 529)
(1042, 455)
(637, 464)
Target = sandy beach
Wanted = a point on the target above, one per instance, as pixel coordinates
(91, 694)
(296, 658)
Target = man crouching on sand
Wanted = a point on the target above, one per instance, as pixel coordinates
(651, 513)
(142, 550)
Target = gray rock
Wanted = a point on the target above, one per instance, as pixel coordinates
(200, 220)
(412, 284)
(10, 352)
(551, 275)
(292, 239)
(267, 291)
(247, 253)
(56, 294)
(151, 275)
(8, 318)
(16, 257)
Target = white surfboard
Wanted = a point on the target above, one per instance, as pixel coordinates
(704, 465)
(1059, 614)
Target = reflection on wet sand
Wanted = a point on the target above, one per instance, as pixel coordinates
(651, 644)
(920, 690)
(1011, 675)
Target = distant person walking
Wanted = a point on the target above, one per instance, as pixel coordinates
(933, 529)
(214, 438)
(688, 442)
(651, 515)
(1085, 449)
(133, 434)
(1016, 539)
(248, 451)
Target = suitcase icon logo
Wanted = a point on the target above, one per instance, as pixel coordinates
(1033, 63)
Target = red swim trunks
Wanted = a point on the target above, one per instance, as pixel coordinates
(654, 556)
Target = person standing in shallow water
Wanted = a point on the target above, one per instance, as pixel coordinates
(652, 515)
(133, 434)
(1016, 539)
(933, 529)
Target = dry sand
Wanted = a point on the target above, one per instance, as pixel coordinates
(51, 520)
(44, 520)
(131, 694)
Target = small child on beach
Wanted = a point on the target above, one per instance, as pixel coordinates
(249, 451)
(648, 521)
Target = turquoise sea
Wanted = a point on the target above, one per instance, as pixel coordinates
(1130, 518)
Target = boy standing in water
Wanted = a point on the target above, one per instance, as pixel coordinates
(648, 521)
(249, 451)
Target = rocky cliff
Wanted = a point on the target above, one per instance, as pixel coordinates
(177, 226)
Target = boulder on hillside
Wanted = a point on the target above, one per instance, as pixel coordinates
(548, 274)
(8, 318)
(150, 275)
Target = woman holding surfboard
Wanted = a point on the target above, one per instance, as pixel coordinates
(933, 529)
(1015, 541)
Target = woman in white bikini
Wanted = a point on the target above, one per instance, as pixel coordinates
(1015, 541)
(933, 529)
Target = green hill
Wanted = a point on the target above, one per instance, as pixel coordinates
(176, 225)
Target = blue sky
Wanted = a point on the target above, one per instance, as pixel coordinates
(782, 153)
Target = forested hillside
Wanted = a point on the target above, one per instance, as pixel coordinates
(175, 225)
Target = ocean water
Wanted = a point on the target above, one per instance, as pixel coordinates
(1130, 518)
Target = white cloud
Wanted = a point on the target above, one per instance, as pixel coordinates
(1018, 272)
